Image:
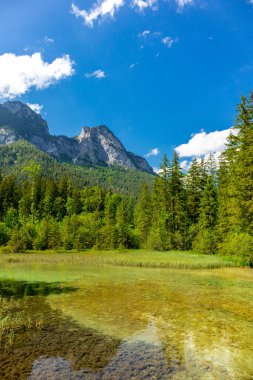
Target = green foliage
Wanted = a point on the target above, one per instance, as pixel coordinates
(205, 242)
(143, 215)
(235, 190)
(17, 156)
(17, 241)
(4, 234)
(238, 244)
(46, 205)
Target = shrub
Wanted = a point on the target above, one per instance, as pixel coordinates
(17, 241)
(158, 240)
(205, 242)
(239, 244)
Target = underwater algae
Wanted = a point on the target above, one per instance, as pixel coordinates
(124, 323)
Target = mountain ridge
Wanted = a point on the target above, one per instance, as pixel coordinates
(18, 155)
(94, 145)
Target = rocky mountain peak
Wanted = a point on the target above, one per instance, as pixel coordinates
(94, 145)
(16, 107)
(22, 118)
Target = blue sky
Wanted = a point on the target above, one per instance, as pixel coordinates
(155, 72)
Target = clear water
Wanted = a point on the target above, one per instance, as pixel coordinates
(131, 323)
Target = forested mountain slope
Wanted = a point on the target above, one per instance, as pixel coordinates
(17, 155)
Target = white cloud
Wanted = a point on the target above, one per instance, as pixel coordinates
(168, 41)
(153, 152)
(157, 170)
(99, 10)
(185, 164)
(104, 8)
(148, 33)
(201, 144)
(35, 107)
(182, 3)
(99, 74)
(145, 33)
(144, 4)
(20, 73)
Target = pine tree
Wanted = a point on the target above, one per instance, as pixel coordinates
(243, 141)
(205, 241)
(178, 215)
(34, 171)
(143, 215)
(160, 234)
(194, 188)
(235, 194)
(122, 228)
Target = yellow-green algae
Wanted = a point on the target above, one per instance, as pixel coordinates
(203, 319)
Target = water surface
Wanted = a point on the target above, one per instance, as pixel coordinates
(131, 323)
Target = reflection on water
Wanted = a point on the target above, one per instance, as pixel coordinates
(134, 324)
(19, 289)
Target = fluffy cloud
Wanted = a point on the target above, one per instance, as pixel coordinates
(143, 4)
(99, 10)
(35, 107)
(104, 8)
(20, 73)
(153, 152)
(99, 74)
(168, 41)
(201, 144)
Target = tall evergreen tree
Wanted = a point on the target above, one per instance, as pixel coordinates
(143, 215)
(178, 215)
(194, 185)
(205, 240)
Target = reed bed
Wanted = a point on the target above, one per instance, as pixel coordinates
(14, 319)
(144, 259)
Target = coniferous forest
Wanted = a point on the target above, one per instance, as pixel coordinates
(209, 209)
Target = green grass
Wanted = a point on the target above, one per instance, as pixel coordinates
(140, 258)
(14, 319)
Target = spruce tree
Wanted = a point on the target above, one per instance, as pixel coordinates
(205, 241)
(143, 215)
(178, 215)
(160, 234)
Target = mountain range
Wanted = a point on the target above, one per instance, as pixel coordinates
(93, 146)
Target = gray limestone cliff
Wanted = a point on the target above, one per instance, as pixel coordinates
(94, 146)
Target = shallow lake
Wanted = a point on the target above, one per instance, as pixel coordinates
(130, 323)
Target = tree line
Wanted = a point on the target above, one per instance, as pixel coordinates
(207, 209)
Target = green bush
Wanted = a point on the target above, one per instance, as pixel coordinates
(17, 241)
(158, 240)
(205, 242)
(238, 244)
